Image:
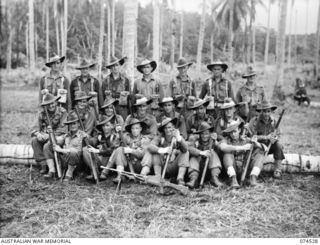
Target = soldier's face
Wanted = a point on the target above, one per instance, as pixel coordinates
(235, 134)
(136, 129)
(217, 71)
(115, 68)
(109, 111)
(84, 72)
(107, 128)
(266, 114)
(168, 107)
(229, 112)
(52, 107)
(56, 66)
(146, 69)
(183, 70)
(205, 136)
(251, 79)
(142, 109)
(169, 129)
(74, 126)
(201, 110)
(82, 104)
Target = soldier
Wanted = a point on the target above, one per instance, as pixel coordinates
(86, 112)
(263, 126)
(133, 149)
(56, 83)
(116, 85)
(217, 88)
(108, 109)
(168, 104)
(39, 133)
(194, 121)
(250, 95)
(106, 142)
(141, 106)
(234, 148)
(86, 83)
(149, 86)
(300, 92)
(71, 152)
(161, 145)
(199, 151)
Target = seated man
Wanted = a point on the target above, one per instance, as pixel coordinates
(263, 126)
(40, 137)
(234, 148)
(177, 151)
(300, 92)
(199, 151)
(71, 152)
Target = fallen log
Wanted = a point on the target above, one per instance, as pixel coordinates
(315, 104)
(293, 163)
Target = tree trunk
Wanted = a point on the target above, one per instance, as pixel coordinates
(307, 25)
(317, 50)
(252, 34)
(113, 36)
(290, 35)
(295, 40)
(253, 44)
(65, 32)
(10, 37)
(109, 32)
(230, 30)
(161, 31)
(129, 26)
(47, 30)
(266, 48)
(101, 33)
(278, 92)
(181, 35)
(27, 44)
(278, 31)
(211, 47)
(56, 21)
(156, 31)
(31, 36)
(201, 36)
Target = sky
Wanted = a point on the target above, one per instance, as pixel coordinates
(302, 22)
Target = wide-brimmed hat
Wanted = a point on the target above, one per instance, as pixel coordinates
(182, 62)
(203, 127)
(142, 101)
(72, 117)
(218, 63)
(115, 60)
(249, 72)
(147, 62)
(81, 95)
(199, 103)
(134, 121)
(228, 103)
(107, 102)
(85, 65)
(264, 105)
(235, 124)
(168, 99)
(55, 59)
(165, 121)
(48, 99)
(103, 120)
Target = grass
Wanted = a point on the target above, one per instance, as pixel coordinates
(279, 208)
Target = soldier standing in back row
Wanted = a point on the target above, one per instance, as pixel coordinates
(86, 83)
(117, 86)
(56, 83)
(250, 94)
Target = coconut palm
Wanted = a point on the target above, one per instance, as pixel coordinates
(31, 36)
(266, 49)
(101, 34)
(317, 45)
(201, 35)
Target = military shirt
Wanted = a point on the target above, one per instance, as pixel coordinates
(148, 88)
(178, 86)
(260, 128)
(74, 142)
(222, 124)
(220, 90)
(108, 143)
(149, 119)
(193, 122)
(253, 96)
(161, 142)
(52, 84)
(88, 118)
(90, 84)
(196, 146)
(181, 121)
(116, 86)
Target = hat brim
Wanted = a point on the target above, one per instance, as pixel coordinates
(83, 98)
(211, 129)
(143, 125)
(85, 67)
(175, 102)
(148, 102)
(69, 122)
(205, 104)
(120, 61)
(228, 107)
(224, 66)
(115, 102)
(187, 64)
(249, 75)
(152, 63)
(50, 101)
(48, 64)
(273, 108)
(173, 121)
(232, 128)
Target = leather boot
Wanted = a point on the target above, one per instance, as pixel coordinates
(157, 170)
(277, 169)
(44, 168)
(181, 173)
(214, 177)
(193, 182)
(234, 182)
(145, 170)
(49, 175)
(253, 180)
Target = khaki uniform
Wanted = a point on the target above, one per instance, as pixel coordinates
(149, 119)
(88, 118)
(193, 122)
(181, 123)
(54, 85)
(221, 125)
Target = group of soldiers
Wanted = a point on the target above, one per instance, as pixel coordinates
(177, 134)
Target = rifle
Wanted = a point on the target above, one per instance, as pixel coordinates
(152, 180)
(53, 142)
(91, 156)
(205, 166)
(168, 158)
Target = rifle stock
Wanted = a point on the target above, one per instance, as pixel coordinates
(168, 158)
(244, 172)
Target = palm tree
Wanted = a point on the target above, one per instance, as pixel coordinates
(8, 10)
(31, 36)
(278, 93)
(181, 36)
(201, 36)
(266, 49)
(156, 31)
(47, 29)
(113, 36)
(290, 34)
(317, 45)
(101, 34)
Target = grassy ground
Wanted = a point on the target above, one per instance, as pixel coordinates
(284, 208)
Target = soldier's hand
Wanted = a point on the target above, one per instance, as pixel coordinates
(118, 128)
(214, 136)
(177, 135)
(39, 136)
(49, 129)
(193, 130)
(57, 148)
(91, 102)
(127, 150)
(205, 153)
(165, 150)
(246, 147)
(92, 149)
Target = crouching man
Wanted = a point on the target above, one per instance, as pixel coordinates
(71, 151)
(162, 145)
(199, 151)
(235, 148)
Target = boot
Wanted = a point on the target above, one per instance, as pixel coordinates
(67, 179)
(104, 174)
(89, 177)
(44, 168)
(119, 176)
(49, 175)
(145, 171)
(277, 170)
(157, 170)
(214, 177)
(234, 182)
(193, 182)
(181, 173)
(253, 180)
